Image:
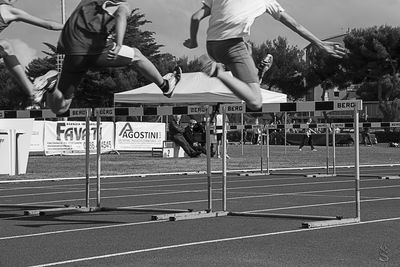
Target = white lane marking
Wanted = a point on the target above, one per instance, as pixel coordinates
(132, 252)
(147, 222)
(188, 173)
(77, 230)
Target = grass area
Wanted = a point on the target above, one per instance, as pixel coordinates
(143, 163)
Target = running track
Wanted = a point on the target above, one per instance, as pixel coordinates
(128, 238)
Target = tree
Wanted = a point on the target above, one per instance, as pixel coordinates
(288, 70)
(374, 63)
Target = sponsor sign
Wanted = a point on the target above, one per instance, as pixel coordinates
(194, 110)
(37, 138)
(105, 112)
(69, 137)
(139, 136)
(338, 125)
(348, 105)
(234, 108)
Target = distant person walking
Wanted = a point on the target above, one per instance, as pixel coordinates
(229, 25)
(366, 134)
(308, 137)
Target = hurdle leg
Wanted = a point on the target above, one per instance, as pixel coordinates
(223, 158)
(327, 150)
(268, 158)
(208, 151)
(87, 146)
(334, 152)
(357, 161)
(98, 159)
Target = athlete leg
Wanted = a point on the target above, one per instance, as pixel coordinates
(15, 68)
(130, 55)
(60, 98)
(244, 82)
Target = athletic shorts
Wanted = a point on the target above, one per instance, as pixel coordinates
(76, 66)
(233, 53)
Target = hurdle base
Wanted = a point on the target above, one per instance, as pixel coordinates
(57, 211)
(283, 215)
(318, 224)
(189, 215)
(319, 175)
(145, 209)
(254, 174)
(389, 177)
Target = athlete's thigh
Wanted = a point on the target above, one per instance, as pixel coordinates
(74, 68)
(125, 57)
(234, 54)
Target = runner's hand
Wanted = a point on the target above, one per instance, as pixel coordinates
(333, 49)
(113, 53)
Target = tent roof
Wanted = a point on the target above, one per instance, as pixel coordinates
(194, 88)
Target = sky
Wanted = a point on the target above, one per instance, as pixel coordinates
(170, 21)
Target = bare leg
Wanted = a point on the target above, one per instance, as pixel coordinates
(147, 68)
(15, 67)
(250, 93)
(57, 102)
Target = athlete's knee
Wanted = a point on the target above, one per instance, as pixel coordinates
(6, 48)
(130, 52)
(58, 105)
(138, 54)
(59, 109)
(254, 104)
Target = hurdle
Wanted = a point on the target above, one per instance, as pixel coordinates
(226, 108)
(145, 111)
(48, 114)
(321, 221)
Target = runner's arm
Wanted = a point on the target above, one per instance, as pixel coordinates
(332, 48)
(121, 18)
(16, 14)
(198, 16)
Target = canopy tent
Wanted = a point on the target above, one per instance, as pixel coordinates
(194, 88)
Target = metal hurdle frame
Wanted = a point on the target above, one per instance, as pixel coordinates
(306, 126)
(356, 106)
(319, 221)
(161, 110)
(48, 114)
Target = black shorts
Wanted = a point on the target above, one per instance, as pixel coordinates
(76, 66)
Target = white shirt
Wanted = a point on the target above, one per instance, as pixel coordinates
(233, 18)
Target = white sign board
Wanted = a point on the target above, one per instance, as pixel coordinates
(21, 141)
(69, 137)
(139, 136)
(37, 138)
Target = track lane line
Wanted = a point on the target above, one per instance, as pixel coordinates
(182, 245)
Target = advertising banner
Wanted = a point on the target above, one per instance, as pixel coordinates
(139, 136)
(69, 137)
(37, 137)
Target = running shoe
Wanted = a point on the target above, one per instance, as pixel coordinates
(34, 106)
(172, 79)
(264, 66)
(44, 83)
